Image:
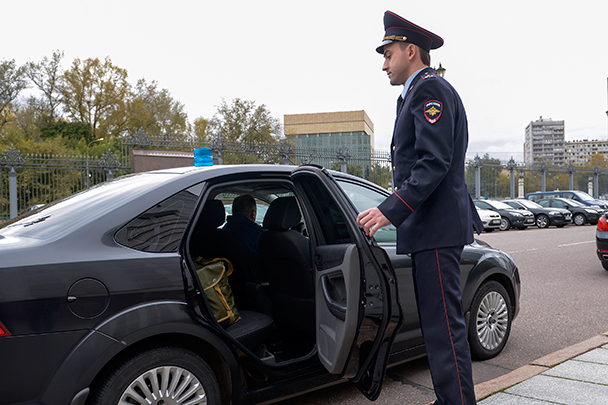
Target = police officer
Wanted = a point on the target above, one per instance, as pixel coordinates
(430, 206)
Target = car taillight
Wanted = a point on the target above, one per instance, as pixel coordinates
(602, 224)
(3, 331)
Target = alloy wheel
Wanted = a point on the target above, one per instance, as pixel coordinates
(492, 320)
(166, 385)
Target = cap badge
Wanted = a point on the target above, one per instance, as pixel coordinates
(432, 111)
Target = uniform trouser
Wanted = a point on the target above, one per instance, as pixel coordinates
(436, 275)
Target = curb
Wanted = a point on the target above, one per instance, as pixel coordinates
(487, 388)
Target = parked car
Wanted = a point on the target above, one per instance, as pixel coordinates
(575, 195)
(581, 214)
(490, 219)
(100, 299)
(601, 240)
(543, 216)
(510, 217)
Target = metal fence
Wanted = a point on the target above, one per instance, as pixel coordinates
(29, 180)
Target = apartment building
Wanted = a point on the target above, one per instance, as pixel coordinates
(545, 140)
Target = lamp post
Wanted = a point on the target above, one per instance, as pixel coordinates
(441, 72)
(88, 146)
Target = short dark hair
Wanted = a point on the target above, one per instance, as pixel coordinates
(425, 56)
(243, 205)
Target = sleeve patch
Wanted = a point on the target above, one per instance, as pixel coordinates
(432, 111)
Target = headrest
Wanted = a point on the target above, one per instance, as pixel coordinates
(213, 214)
(282, 214)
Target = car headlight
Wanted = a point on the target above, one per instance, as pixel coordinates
(517, 214)
(555, 213)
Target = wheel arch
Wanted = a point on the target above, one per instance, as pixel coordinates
(141, 328)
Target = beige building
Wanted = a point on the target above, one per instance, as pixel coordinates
(578, 152)
(331, 130)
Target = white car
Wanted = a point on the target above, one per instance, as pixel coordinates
(490, 219)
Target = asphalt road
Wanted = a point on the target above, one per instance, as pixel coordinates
(562, 303)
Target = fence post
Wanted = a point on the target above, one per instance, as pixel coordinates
(342, 155)
(12, 160)
(596, 186)
(477, 163)
(511, 165)
(543, 170)
(286, 150)
(218, 145)
(521, 190)
(571, 171)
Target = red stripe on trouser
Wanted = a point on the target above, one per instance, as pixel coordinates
(447, 320)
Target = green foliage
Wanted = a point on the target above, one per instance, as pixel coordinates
(69, 130)
(244, 122)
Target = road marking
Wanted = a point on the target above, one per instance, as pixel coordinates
(576, 243)
(524, 250)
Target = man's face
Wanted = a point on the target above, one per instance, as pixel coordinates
(396, 63)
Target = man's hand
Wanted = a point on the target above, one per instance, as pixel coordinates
(371, 220)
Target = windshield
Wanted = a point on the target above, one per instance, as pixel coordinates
(64, 215)
(583, 196)
(499, 205)
(530, 204)
(576, 203)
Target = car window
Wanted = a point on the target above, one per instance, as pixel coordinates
(161, 228)
(544, 203)
(514, 204)
(558, 203)
(364, 198)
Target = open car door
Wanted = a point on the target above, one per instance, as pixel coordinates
(357, 308)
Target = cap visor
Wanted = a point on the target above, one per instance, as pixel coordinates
(380, 49)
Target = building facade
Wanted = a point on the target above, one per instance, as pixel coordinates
(545, 140)
(333, 130)
(579, 152)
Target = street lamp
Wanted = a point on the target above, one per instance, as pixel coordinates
(441, 72)
(88, 146)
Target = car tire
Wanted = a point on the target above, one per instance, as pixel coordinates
(490, 322)
(489, 230)
(579, 219)
(542, 221)
(176, 374)
(605, 265)
(505, 224)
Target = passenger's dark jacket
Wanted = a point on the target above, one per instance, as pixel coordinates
(431, 205)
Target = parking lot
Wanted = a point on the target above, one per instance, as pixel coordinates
(562, 303)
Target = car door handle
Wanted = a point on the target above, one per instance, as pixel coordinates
(330, 286)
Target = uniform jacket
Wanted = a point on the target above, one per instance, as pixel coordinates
(431, 206)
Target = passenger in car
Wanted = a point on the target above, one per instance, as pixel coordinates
(241, 224)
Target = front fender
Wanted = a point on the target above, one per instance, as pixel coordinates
(123, 331)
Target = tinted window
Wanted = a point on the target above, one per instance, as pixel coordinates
(558, 204)
(544, 203)
(161, 228)
(364, 198)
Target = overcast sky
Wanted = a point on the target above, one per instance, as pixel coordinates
(512, 62)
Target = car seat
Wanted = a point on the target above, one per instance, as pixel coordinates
(286, 256)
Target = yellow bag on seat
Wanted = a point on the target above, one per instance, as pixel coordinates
(213, 275)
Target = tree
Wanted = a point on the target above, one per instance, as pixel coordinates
(156, 112)
(46, 75)
(95, 92)
(244, 122)
(200, 129)
(12, 81)
(598, 160)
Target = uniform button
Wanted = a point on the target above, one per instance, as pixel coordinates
(393, 147)
(395, 188)
(394, 168)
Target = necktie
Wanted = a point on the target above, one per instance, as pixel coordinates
(400, 102)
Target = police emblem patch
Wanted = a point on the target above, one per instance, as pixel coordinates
(432, 111)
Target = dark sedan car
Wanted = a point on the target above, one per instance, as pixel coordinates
(510, 217)
(101, 300)
(581, 214)
(543, 216)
